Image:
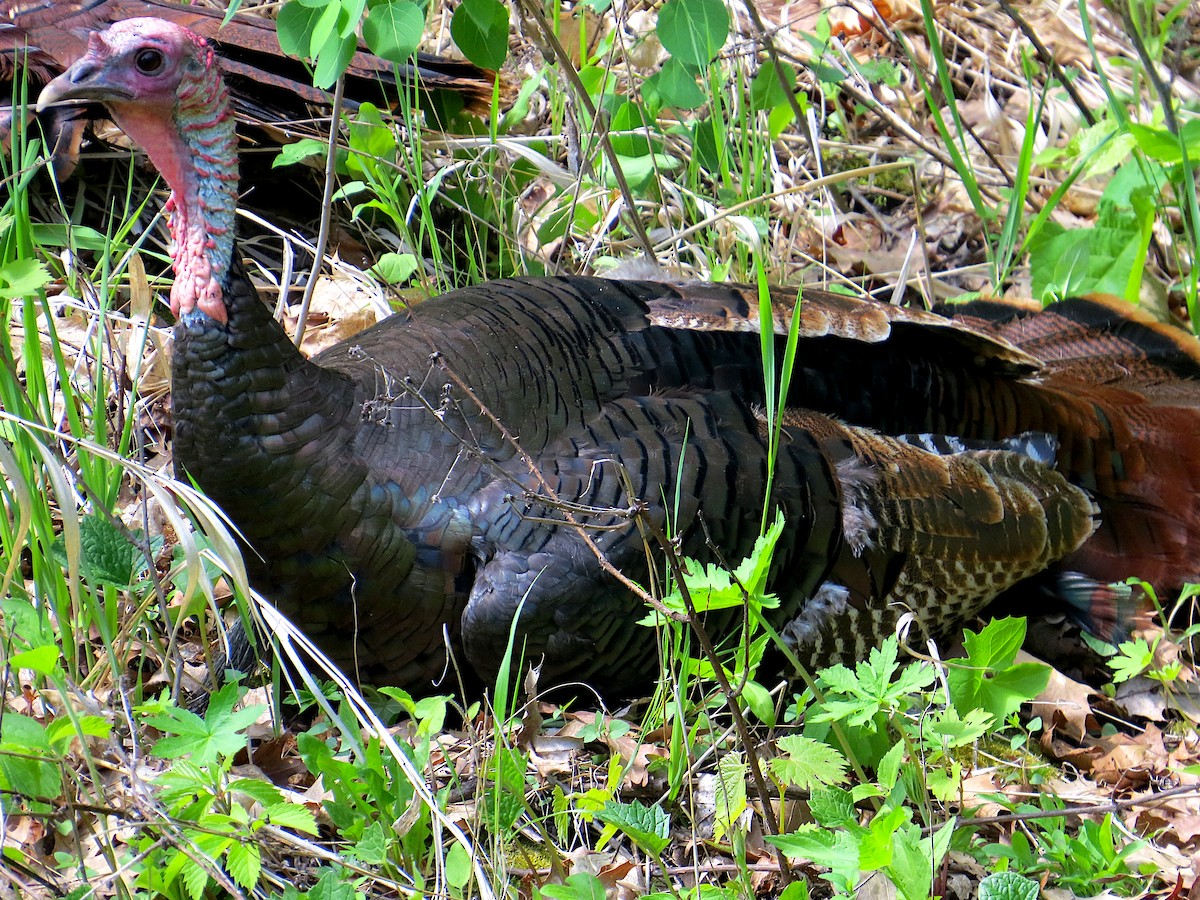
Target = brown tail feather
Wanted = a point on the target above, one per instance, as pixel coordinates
(1122, 392)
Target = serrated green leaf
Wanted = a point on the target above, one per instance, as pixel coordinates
(836, 849)
(333, 885)
(25, 732)
(22, 278)
(293, 816)
(808, 763)
(996, 644)
(109, 557)
(23, 775)
(948, 729)
(806, 842)
(832, 806)
(647, 826)
(1008, 886)
(915, 858)
(195, 879)
(217, 736)
(730, 793)
(501, 809)
(243, 862)
(257, 789)
(693, 31)
(372, 847)
(752, 572)
(888, 770)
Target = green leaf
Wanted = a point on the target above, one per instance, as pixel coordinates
(760, 701)
(808, 763)
(243, 861)
(324, 34)
(396, 268)
(256, 789)
(1008, 886)
(22, 278)
(334, 884)
(458, 866)
(832, 806)
(480, 29)
(836, 849)
(61, 732)
(988, 680)
(752, 572)
(215, 737)
(501, 809)
(807, 842)
(888, 770)
(109, 557)
(332, 58)
(997, 642)
(949, 729)
(195, 879)
(507, 770)
(766, 92)
(580, 886)
(674, 85)
(647, 826)
(42, 660)
(1133, 658)
(1109, 257)
(291, 815)
(630, 127)
(916, 857)
(730, 793)
(372, 847)
(875, 847)
(23, 738)
(305, 148)
(693, 31)
(393, 29)
(294, 25)
(1160, 144)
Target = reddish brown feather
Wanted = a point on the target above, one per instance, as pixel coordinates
(1122, 392)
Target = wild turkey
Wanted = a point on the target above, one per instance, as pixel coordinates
(43, 37)
(401, 483)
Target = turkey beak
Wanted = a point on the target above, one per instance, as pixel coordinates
(88, 79)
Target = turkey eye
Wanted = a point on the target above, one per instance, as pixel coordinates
(149, 62)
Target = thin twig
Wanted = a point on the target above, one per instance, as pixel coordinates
(335, 121)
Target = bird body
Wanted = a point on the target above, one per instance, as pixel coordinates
(493, 455)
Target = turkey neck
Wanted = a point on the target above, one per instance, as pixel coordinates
(233, 365)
